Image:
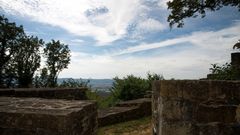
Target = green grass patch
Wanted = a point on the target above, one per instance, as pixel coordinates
(134, 127)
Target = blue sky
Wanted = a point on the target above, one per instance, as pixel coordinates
(111, 38)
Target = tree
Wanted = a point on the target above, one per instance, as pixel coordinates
(129, 87)
(181, 9)
(42, 79)
(10, 34)
(27, 60)
(132, 87)
(75, 83)
(58, 58)
(224, 72)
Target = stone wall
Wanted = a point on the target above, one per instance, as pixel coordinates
(190, 107)
(125, 111)
(35, 116)
(48, 93)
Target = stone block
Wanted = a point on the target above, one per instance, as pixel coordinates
(177, 110)
(124, 111)
(196, 107)
(35, 116)
(48, 93)
(116, 115)
(176, 128)
(216, 128)
(216, 113)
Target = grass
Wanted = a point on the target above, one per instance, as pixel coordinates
(102, 102)
(136, 127)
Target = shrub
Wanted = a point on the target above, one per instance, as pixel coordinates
(132, 87)
(224, 72)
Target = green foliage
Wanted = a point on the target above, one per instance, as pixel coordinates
(58, 58)
(27, 60)
(132, 87)
(42, 79)
(181, 9)
(224, 72)
(152, 77)
(20, 57)
(129, 87)
(102, 102)
(10, 36)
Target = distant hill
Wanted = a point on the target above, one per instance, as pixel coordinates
(96, 84)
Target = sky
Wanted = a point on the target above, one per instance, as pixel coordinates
(109, 38)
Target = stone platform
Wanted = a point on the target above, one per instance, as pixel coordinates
(48, 93)
(35, 116)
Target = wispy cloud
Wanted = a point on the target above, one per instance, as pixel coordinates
(214, 40)
(191, 63)
(105, 21)
(77, 40)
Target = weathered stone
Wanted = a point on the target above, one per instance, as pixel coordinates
(235, 59)
(199, 90)
(116, 114)
(216, 128)
(177, 110)
(216, 113)
(176, 128)
(48, 93)
(136, 102)
(190, 107)
(34, 116)
(127, 110)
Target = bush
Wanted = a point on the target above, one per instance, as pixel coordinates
(224, 72)
(132, 87)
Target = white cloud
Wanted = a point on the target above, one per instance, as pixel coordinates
(71, 15)
(209, 40)
(144, 47)
(176, 66)
(193, 63)
(150, 25)
(77, 40)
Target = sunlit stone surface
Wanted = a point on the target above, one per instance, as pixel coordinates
(35, 116)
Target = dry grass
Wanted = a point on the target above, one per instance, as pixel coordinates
(135, 127)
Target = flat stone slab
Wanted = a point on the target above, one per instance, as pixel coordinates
(48, 93)
(35, 116)
(136, 102)
(114, 115)
(125, 111)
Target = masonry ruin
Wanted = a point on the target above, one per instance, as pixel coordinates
(193, 107)
(47, 112)
(197, 107)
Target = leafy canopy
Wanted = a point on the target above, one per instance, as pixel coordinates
(224, 72)
(181, 9)
(10, 36)
(58, 58)
(27, 60)
(132, 87)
